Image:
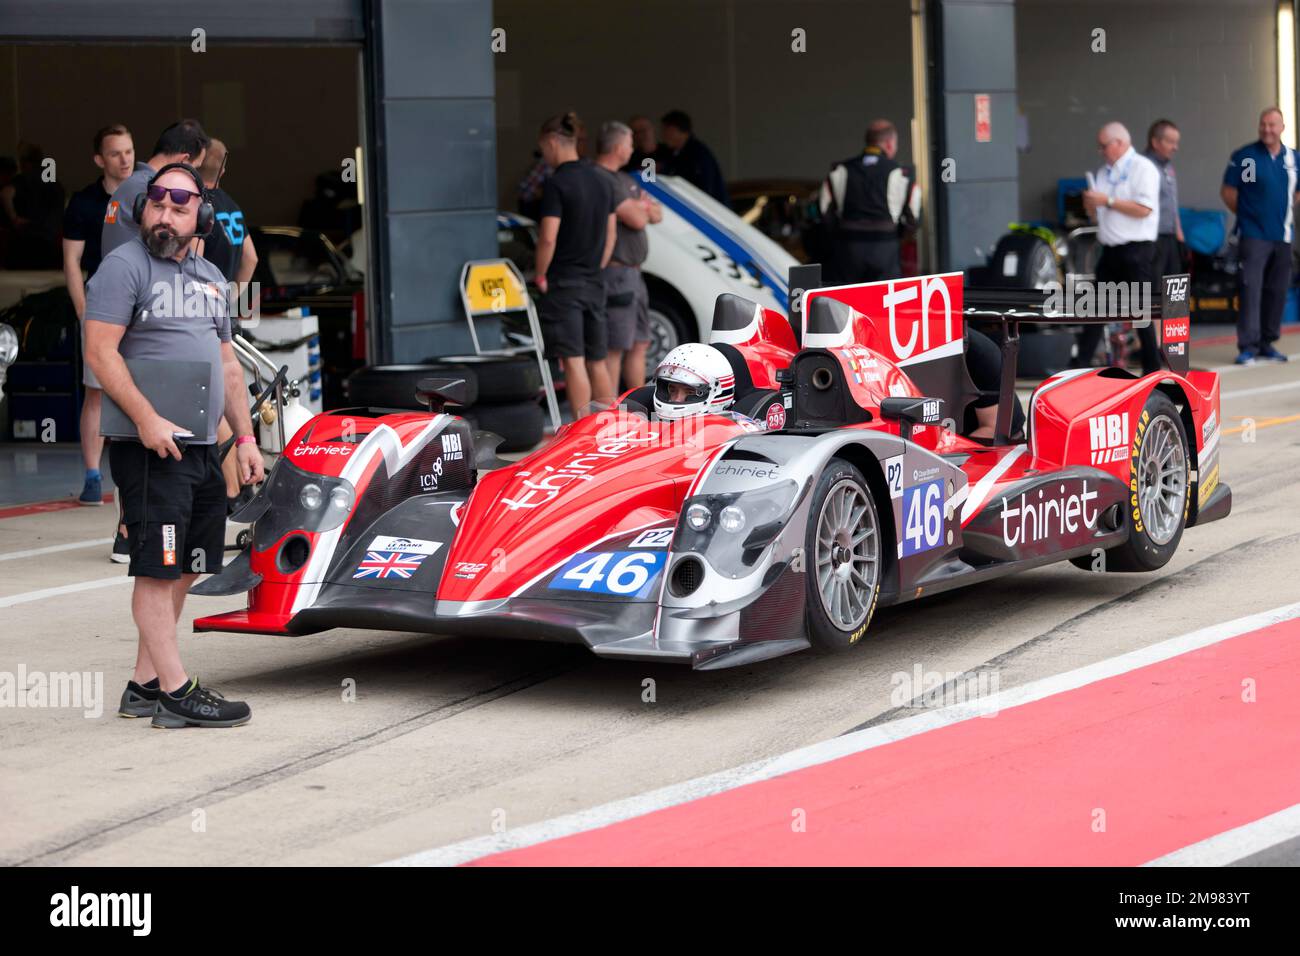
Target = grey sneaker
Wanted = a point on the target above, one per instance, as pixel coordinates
(199, 707)
(138, 700)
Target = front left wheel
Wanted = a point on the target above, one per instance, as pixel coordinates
(842, 556)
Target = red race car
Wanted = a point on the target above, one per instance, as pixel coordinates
(840, 479)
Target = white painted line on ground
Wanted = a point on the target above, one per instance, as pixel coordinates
(1261, 390)
(28, 596)
(825, 751)
(1234, 367)
(70, 546)
(1233, 845)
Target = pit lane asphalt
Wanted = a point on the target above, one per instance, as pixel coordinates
(451, 738)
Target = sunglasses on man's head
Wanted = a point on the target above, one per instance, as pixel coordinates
(179, 196)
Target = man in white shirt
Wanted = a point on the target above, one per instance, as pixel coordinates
(1125, 199)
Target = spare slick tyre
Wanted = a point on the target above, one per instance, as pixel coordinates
(394, 386)
(501, 378)
(521, 425)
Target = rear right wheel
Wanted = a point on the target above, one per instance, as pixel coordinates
(1159, 491)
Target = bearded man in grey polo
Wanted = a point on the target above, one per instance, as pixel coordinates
(157, 303)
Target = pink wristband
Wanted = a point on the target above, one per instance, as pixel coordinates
(245, 440)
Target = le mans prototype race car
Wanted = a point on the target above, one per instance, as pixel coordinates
(838, 481)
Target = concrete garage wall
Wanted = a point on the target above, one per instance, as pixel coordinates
(286, 113)
(977, 45)
(1208, 66)
(432, 166)
(763, 109)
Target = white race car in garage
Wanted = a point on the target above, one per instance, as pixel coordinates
(698, 251)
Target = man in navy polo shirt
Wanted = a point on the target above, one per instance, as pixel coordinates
(1259, 186)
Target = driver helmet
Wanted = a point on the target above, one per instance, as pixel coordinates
(693, 379)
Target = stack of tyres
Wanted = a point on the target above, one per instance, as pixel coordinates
(509, 398)
(503, 393)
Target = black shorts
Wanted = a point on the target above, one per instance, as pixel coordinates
(174, 511)
(573, 320)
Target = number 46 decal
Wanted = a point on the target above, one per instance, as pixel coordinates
(922, 517)
(623, 573)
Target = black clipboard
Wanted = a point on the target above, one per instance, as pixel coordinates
(178, 391)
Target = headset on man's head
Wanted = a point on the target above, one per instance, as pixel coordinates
(207, 215)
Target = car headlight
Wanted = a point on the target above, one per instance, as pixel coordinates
(297, 500)
(698, 516)
(341, 499)
(731, 519)
(746, 523)
(310, 497)
(8, 346)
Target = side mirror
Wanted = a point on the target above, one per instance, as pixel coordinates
(437, 393)
(910, 412)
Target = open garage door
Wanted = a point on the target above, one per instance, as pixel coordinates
(282, 93)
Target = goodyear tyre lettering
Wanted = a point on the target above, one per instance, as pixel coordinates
(1138, 434)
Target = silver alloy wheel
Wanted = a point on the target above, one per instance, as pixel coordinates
(663, 339)
(1162, 480)
(847, 561)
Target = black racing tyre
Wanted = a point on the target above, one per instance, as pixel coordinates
(1032, 259)
(393, 386)
(1159, 491)
(670, 326)
(501, 379)
(520, 424)
(843, 559)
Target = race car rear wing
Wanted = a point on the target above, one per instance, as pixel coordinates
(1011, 307)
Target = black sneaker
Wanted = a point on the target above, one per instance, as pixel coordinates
(138, 700)
(121, 553)
(199, 707)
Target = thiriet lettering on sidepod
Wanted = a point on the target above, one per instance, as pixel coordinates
(1035, 520)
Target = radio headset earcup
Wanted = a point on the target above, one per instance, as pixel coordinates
(206, 217)
(137, 207)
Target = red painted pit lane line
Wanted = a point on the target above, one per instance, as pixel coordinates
(41, 507)
(1169, 752)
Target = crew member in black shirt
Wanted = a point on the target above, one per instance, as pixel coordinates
(689, 158)
(645, 146)
(230, 247)
(867, 202)
(83, 221)
(575, 240)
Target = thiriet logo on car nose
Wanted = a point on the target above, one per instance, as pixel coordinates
(301, 450)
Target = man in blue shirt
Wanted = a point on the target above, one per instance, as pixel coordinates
(1259, 186)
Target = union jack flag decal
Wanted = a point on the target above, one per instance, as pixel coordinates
(388, 564)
